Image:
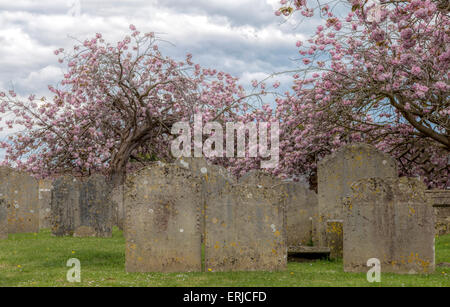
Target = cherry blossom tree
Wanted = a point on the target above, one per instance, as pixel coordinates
(378, 75)
(116, 103)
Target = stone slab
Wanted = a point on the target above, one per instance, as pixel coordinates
(162, 209)
(245, 229)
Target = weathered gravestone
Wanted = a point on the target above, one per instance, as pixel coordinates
(45, 199)
(82, 208)
(337, 172)
(440, 200)
(162, 212)
(20, 194)
(65, 206)
(245, 229)
(392, 220)
(301, 206)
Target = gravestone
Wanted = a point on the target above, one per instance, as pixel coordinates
(82, 207)
(162, 211)
(301, 206)
(337, 172)
(440, 200)
(392, 220)
(65, 207)
(20, 194)
(245, 229)
(45, 199)
(335, 238)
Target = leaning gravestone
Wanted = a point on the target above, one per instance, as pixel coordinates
(82, 208)
(301, 206)
(392, 220)
(20, 194)
(45, 199)
(440, 200)
(337, 172)
(65, 206)
(245, 229)
(162, 210)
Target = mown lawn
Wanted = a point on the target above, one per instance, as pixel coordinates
(40, 260)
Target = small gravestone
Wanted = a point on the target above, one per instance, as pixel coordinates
(162, 206)
(337, 172)
(301, 206)
(245, 229)
(82, 207)
(45, 199)
(392, 220)
(20, 194)
(335, 238)
(96, 208)
(65, 206)
(440, 200)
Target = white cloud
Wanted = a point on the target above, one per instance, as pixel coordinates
(238, 36)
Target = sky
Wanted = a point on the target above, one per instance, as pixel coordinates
(242, 37)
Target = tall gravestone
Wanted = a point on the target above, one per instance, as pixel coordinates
(337, 172)
(391, 220)
(82, 207)
(301, 207)
(45, 199)
(245, 228)
(20, 194)
(440, 200)
(162, 210)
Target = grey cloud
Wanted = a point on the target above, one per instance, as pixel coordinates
(241, 37)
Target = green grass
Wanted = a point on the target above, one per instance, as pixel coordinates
(40, 260)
